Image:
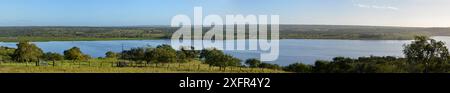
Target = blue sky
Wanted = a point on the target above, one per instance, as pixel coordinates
(421, 13)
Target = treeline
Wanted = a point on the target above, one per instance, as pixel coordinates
(357, 32)
(164, 32)
(63, 33)
(166, 54)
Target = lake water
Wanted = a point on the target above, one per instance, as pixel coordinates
(291, 50)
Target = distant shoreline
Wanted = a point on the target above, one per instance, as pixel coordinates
(341, 32)
(40, 39)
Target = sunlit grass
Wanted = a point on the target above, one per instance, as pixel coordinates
(107, 66)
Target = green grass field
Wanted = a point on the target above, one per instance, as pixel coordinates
(106, 66)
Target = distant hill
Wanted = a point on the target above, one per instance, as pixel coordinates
(45, 33)
(358, 32)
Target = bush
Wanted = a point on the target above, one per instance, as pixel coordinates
(253, 63)
(75, 54)
(134, 54)
(111, 54)
(269, 66)
(299, 68)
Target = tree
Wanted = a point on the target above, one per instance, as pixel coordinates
(111, 54)
(210, 56)
(426, 51)
(134, 54)
(161, 54)
(75, 54)
(321, 66)
(27, 52)
(164, 54)
(253, 63)
(231, 61)
(342, 65)
(181, 57)
(218, 58)
(149, 55)
(299, 67)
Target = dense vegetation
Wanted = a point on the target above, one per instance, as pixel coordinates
(164, 32)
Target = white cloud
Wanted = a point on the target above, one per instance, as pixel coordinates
(377, 7)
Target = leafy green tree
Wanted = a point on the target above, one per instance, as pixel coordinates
(6, 53)
(161, 54)
(426, 50)
(299, 67)
(165, 54)
(75, 54)
(111, 54)
(253, 63)
(27, 52)
(429, 52)
(218, 58)
(134, 54)
(321, 66)
(231, 61)
(210, 55)
(182, 57)
(342, 65)
(149, 55)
